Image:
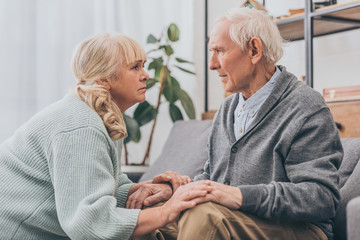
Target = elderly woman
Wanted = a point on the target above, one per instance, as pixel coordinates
(60, 172)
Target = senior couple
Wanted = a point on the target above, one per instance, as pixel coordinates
(273, 149)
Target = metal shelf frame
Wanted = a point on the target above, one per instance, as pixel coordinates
(320, 14)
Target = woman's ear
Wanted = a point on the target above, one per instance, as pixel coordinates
(104, 83)
(255, 50)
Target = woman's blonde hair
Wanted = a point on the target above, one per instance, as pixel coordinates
(98, 58)
(248, 23)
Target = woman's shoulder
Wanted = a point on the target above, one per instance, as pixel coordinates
(74, 113)
(66, 115)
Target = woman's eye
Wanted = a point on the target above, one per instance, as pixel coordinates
(136, 67)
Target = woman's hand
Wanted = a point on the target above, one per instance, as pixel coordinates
(186, 196)
(175, 179)
(148, 194)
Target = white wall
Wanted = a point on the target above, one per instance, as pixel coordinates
(36, 44)
(336, 57)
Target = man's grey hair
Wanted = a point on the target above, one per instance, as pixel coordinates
(248, 23)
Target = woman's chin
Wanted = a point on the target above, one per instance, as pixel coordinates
(142, 100)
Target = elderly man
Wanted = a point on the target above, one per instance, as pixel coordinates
(274, 149)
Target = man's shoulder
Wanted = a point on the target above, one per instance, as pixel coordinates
(304, 95)
(298, 92)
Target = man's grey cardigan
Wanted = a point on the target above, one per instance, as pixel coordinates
(286, 163)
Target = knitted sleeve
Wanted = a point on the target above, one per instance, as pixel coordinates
(205, 175)
(83, 176)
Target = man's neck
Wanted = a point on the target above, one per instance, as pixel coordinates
(262, 75)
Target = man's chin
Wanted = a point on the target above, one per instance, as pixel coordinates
(227, 89)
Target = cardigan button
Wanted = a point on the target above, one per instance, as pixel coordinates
(234, 149)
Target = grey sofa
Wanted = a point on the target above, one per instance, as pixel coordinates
(185, 152)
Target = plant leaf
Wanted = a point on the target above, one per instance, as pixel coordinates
(180, 60)
(173, 32)
(150, 83)
(152, 50)
(185, 70)
(132, 128)
(156, 63)
(151, 39)
(168, 49)
(175, 113)
(170, 89)
(144, 113)
(186, 102)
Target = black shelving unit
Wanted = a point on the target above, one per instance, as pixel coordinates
(320, 22)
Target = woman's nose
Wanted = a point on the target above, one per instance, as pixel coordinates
(145, 75)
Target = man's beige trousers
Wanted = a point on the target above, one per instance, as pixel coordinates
(212, 221)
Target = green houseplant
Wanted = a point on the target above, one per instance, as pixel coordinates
(161, 63)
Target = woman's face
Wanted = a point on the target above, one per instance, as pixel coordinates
(130, 86)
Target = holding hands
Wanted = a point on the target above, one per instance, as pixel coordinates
(175, 179)
(181, 193)
(157, 190)
(185, 197)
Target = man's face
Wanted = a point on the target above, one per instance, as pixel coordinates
(233, 65)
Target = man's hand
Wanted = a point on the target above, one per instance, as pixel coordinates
(175, 179)
(148, 194)
(228, 196)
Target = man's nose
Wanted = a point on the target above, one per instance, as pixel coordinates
(214, 63)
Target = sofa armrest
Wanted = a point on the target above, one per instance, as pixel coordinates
(353, 218)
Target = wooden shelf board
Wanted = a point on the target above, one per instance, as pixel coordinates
(347, 114)
(342, 94)
(327, 20)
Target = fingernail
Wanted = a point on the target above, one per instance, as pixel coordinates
(168, 177)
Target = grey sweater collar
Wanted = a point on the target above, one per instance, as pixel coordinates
(281, 85)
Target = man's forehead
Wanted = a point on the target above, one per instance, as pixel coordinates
(220, 32)
(220, 26)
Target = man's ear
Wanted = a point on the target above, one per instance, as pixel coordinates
(104, 83)
(255, 50)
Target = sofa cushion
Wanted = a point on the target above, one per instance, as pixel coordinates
(185, 150)
(351, 157)
(353, 218)
(349, 172)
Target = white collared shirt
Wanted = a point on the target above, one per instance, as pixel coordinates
(246, 110)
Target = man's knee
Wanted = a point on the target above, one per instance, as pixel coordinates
(206, 212)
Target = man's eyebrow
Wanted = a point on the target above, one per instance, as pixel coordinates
(215, 48)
